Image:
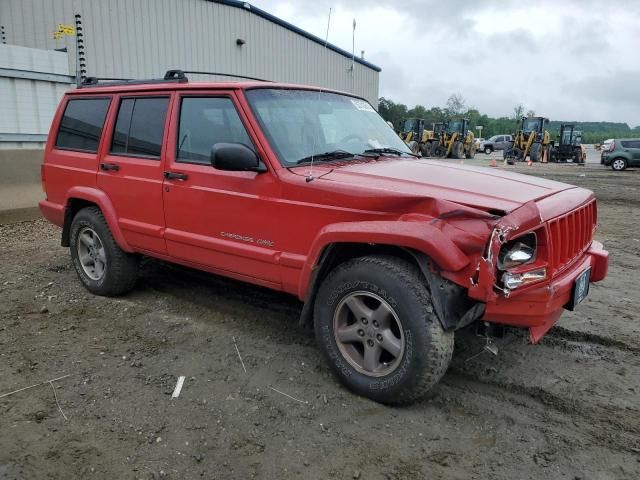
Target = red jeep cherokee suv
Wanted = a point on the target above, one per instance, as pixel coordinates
(310, 192)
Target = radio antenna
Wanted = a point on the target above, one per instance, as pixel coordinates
(326, 41)
(353, 57)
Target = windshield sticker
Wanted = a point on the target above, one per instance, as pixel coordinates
(362, 105)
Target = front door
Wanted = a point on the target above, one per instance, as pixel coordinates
(634, 148)
(130, 172)
(224, 220)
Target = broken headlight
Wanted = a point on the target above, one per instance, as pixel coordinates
(518, 252)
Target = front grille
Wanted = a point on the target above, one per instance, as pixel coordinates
(570, 235)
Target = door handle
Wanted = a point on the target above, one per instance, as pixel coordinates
(176, 176)
(109, 167)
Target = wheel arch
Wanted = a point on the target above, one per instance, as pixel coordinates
(453, 307)
(83, 197)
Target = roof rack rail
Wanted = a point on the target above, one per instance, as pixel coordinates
(183, 72)
(171, 76)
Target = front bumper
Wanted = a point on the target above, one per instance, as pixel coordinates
(539, 308)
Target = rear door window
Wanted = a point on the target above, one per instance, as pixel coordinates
(81, 125)
(140, 127)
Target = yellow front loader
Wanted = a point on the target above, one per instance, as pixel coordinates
(457, 141)
(532, 140)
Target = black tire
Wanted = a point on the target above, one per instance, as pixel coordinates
(436, 150)
(414, 147)
(488, 150)
(618, 164)
(457, 150)
(119, 270)
(535, 154)
(471, 153)
(427, 348)
(426, 149)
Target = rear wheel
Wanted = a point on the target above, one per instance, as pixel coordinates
(375, 325)
(437, 150)
(536, 152)
(619, 164)
(101, 265)
(457, 151)
(426, 149)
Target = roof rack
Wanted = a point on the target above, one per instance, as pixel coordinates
(171, 76)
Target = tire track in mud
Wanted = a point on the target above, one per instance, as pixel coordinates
(550, 411)
(565, 397)
(559, 336)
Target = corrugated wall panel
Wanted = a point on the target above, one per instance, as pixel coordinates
(143, 38)
(28, 104)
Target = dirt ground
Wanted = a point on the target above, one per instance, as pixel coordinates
(568, 408)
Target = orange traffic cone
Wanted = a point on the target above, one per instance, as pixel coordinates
(493, 163)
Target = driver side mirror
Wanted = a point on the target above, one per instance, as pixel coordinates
(235, 157)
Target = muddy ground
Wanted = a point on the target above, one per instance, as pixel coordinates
(568, 408)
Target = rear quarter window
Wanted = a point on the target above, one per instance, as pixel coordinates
(630, 143)
(81, 125)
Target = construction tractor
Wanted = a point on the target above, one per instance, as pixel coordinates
(531, 140)
(435, 145)
(569, 146)
(456, 141)
(416, 137)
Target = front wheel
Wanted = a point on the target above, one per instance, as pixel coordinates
(471, 153)
(535, 154)
(101, 265)
(375, 324)
(457, 150)
(488, 150)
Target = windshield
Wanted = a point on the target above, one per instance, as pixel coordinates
(530, 125)
(302, 123)
(455, 126)
(410, 125)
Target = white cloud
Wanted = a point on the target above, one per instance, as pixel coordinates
(575, 60)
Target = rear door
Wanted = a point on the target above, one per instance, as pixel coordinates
(225, 220)
(130, 171)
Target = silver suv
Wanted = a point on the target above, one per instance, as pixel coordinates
(497, 142)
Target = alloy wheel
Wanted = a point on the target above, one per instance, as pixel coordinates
(368, 333)
(618, 164)
(91, 254)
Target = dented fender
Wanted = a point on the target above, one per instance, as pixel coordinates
(417, 235)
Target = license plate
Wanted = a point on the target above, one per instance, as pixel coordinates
(580, 289)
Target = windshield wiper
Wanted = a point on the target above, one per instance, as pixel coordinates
(319, 157)
(393, 151)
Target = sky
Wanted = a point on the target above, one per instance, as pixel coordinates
(573, 60)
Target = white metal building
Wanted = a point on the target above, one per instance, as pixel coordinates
(144, 38)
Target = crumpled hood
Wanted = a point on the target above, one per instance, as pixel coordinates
(473, 186)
